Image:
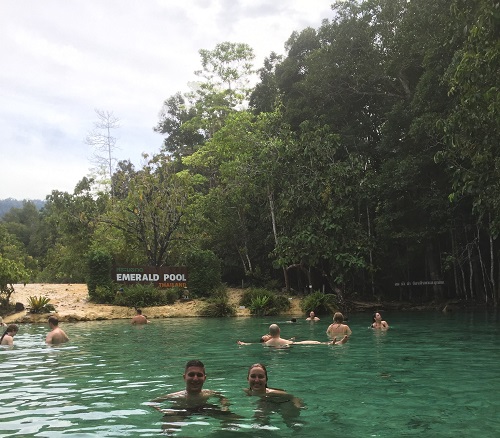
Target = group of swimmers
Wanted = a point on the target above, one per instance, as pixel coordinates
(194, 399)
(55, 336)
(338, 332)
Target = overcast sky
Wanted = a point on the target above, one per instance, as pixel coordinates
(62, 59)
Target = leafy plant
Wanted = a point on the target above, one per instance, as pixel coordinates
(263, 302)
(217, 308)
(260, 305)
(204, 272)
(320, 303)
(40, 305)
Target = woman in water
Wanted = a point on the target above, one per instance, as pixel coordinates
(378, 323)
(272, 400)
(338, 327)
(8, 336)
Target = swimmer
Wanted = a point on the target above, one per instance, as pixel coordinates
(139, 318)
(8, 336)
(271, 400)
(264, 338)
(338, 327)
(312, 317)
(378, 323)
(193, 400)
(278, 342)
(56, 334)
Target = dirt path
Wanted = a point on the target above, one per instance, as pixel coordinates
(71, 304)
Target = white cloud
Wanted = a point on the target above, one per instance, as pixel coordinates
(61, 59)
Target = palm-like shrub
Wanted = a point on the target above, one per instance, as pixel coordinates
(320, 303)
(40, 305)
(262, 302)
(260, 305)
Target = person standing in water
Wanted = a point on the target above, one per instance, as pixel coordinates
(8, 336)
(338, 328)
(378, 323)
(56, 334)
(139, 318)
(271, 400)
(312, 317)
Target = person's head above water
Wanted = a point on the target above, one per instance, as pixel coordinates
(274, 330)
(377, 317)
(257, 377)
(338, 318)
(194, 376)
(53, 321)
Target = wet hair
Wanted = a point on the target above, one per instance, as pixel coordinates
(338, 318)
(53, 320)
(374, 313)
(293, 320)
(139, 311)
(10, 328)
(194, 363)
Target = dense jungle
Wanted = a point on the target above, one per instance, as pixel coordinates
(363, 163)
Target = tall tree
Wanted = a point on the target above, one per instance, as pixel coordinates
(189, 120)
(151, 214)
(103, 142)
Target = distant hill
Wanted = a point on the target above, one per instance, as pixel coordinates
(7, 204)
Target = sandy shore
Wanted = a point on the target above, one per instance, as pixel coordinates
(72, 304)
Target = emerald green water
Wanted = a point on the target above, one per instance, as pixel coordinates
(430, 375)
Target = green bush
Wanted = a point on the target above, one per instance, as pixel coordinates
(260, 305)
(145, 295)
(103, 295)
(263, 302)
(217, 308)
(204, 272)
(319, 303)
(99, 264)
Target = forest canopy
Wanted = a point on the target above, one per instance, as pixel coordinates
(363, 163)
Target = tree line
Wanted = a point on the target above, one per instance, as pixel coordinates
(363, 163)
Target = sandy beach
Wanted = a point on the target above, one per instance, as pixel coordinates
(72, 304)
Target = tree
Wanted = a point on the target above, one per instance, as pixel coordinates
(150, 216)
(191, 119)
(11, 272)
(104, 144)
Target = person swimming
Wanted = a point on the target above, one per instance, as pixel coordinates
(378, 323)
(8, 336)
(338, 327)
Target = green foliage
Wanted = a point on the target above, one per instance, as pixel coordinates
(262, 302)
(103, 294)
(99, 265)
(40, 305)
(11, 272)
(204, 272)
(260, 305)
(319, 303)
(217, 307)
(140, 295)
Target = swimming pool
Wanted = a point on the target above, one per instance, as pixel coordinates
(430, 375)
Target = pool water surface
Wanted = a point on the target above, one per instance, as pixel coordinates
(429, 375)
